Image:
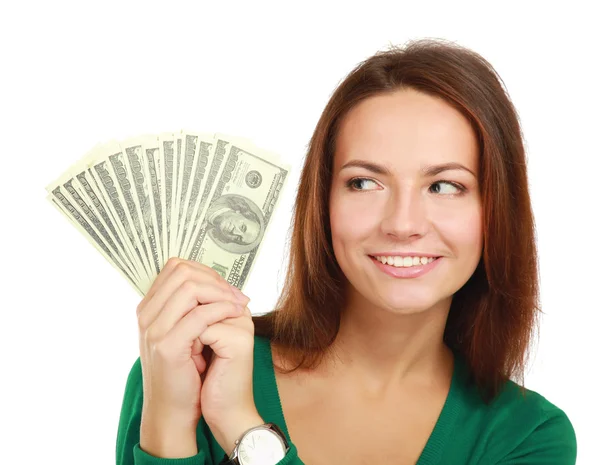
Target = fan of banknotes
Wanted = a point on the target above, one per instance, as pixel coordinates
(199, 196)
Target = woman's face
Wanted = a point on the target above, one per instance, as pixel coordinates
(397, 208)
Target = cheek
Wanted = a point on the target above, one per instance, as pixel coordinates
(463, 229)
(352, 219)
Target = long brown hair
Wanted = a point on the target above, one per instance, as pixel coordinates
(492, 318)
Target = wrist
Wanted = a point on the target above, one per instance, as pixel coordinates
(178, 420)
(229, 431)
(165, 437)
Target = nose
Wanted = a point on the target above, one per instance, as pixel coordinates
(405, 214)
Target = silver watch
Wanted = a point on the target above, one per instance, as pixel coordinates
(262, 445)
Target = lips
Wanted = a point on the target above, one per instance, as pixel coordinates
(406, 272)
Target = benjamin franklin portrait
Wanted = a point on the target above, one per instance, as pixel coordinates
(235, 223)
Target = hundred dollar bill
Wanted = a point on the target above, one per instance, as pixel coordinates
(87, 188)
(77, 176)
(152, 167)
(242, 201)
(166, 149)
(141, 193)
(177, 173)
(221, 144)
(66, 208)
(111, 186)
(197, 183)
(215, 164)
(119, 169)
(189, 158)
(83, 205)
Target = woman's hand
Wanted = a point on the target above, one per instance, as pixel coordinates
(191, 319)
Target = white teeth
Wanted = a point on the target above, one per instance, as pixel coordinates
(404, 261)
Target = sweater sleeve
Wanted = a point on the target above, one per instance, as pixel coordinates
(291, 458)
(552, 442)
(128, 451)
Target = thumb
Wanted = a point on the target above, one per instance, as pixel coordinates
(198, 350)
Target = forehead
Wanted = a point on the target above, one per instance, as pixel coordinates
(405, 130)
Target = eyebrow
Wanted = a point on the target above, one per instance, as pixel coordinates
(427, 171)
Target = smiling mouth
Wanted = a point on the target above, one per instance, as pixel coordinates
(406, 272)
(401, 264)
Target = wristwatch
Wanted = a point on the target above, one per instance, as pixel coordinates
(262, 445)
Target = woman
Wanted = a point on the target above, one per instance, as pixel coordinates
(410, 300)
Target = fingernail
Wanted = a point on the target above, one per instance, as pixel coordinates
(239, 294)
(235, 289)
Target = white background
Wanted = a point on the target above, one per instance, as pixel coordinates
(77, 73)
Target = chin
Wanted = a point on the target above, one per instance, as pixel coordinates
(408, 306)
(400, 301)
(408, 293)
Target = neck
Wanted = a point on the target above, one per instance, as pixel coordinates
(381, 350)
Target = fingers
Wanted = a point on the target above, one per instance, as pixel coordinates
(175, 274)
(183, 268)
(194, 324)
(243, 321)
(184, 286)
(224, 343)
(158, 321)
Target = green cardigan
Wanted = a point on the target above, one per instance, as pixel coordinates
(511, 430)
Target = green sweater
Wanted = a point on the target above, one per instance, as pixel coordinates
(511, 430)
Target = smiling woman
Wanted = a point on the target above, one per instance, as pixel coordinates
(412, 290)
(413, 255)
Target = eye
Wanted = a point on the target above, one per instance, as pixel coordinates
(455, 185)
(354, 182)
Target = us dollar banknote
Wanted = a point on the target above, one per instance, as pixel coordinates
(97, 203)
(203, 196)
(189, 157)
(198, 185)
(107, 181)
(175, 199)
(67, 208)
(121, 172)
(243, 198)
(166, 148)
(152, 167)
(134, 150)
(75, 198)
(214, 153)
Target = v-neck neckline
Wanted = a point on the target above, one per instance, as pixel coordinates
(444, 427)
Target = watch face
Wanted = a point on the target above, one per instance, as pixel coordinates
(261, 447)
